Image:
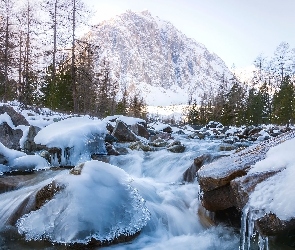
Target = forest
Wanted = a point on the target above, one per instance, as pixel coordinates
(267, 98)
(45, 62)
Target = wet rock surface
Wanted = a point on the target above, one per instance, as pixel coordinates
(225, 183)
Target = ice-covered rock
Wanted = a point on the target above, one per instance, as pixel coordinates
(97, 205)
(74, 140)
(123, 133)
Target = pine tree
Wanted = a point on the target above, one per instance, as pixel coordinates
(193, 116)
(284, 103)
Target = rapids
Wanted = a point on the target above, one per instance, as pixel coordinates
(175, 222)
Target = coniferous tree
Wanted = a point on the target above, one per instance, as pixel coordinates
(284, 102)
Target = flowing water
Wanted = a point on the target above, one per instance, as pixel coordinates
(176, 221)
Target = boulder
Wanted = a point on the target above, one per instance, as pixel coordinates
(176, 147)
(17, 118)
(123, 133)
(140, 130)
(168, 129)
(227, 147)
(190, 174)
(243, 186)
(10, 137)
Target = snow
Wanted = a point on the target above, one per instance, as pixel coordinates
(29, 162)
(72, 216)
(10, 154)
(83, 136)
(276, 194)
(126, 119)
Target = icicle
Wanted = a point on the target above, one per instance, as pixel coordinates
(243, 228)
(263, 243)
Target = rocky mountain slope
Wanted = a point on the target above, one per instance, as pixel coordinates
(151, 57)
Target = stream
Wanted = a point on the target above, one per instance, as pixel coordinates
(177, 222)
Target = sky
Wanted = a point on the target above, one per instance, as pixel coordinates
(238, 31)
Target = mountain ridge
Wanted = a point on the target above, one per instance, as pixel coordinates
(153, 58)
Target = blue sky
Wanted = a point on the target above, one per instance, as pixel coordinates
(236, 30)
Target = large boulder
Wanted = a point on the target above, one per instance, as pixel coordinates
(123, 133)
(17, 118)
(231, 181)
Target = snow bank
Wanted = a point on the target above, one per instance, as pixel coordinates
(100, 203)
(276, 194)
(29, 162)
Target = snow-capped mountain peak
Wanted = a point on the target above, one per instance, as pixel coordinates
(150, 55)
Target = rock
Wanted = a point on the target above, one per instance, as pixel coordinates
(110, 127)
(271, 225)
(168, 129)
(111, 149)
(140, 130)
(123, 133)
(110, 138)
(29, 144)
(190, 174)
(176, 147)
(243, 186)
(140, 146)
(218, 199)
(17, 118)
(9, 183)
(46, 194)
(122, 150)
(77, 169)
(213, 124)
(161, 135)
(10, 137)
(158, 143)
(197, 135)
(227, 147)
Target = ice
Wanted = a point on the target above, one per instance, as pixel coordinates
(10, 154)
(100, 203)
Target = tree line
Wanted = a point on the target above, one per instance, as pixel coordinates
(267, 98)
(44, 62)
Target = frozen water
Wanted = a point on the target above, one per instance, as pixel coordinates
(100, 203)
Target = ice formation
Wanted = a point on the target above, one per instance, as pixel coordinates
(100, 203)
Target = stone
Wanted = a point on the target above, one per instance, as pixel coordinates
(168, 129)
(46, 193)
(243, 186)
(123, 133)
(140, 130)
(176, 147)
(10, 137)
(190, 174)
(29, 144)
(111, 149)
(140, 146)
(17, 118)
(271, 225)
(227, 147)
(158, 143)
(218, 199)
(77, 169)
(110, 138)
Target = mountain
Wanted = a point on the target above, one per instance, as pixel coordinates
(151, 57)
